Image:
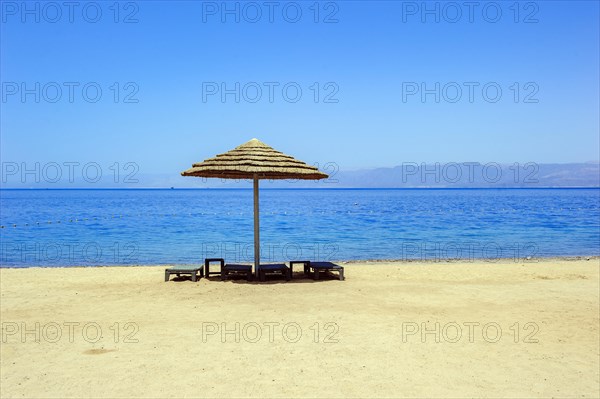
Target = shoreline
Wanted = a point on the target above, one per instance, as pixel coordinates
(535, 260)
(307, 188)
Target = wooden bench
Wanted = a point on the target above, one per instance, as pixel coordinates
(274, 268)
(192, 270)
(326, 266)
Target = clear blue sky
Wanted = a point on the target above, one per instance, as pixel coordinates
(376, 55)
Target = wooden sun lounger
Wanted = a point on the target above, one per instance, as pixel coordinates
(326, 266)
(236, 269)
(304, 263)
(278, 268)
(192, 270)
(207, 263)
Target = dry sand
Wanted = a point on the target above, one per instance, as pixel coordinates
(369, 341)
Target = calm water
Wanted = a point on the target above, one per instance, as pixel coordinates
(104, 227)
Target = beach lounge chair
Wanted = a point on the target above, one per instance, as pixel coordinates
(304, 263)
(235, 269)
(274, 268)
(207, 263)
(326, 266)
(192, 270)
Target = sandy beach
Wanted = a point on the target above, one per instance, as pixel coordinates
(465, 329)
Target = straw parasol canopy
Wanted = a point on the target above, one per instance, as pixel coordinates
(254, 160)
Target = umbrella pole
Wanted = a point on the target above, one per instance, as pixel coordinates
(256, 228)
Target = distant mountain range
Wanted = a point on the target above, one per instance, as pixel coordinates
(407, 175)
(472, 175)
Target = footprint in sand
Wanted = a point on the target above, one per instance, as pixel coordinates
(98, 351)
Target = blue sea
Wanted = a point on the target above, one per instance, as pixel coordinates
(183, 226)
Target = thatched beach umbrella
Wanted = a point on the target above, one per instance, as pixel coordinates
(255, 160)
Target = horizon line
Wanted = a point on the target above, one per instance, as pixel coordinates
(300, 188)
